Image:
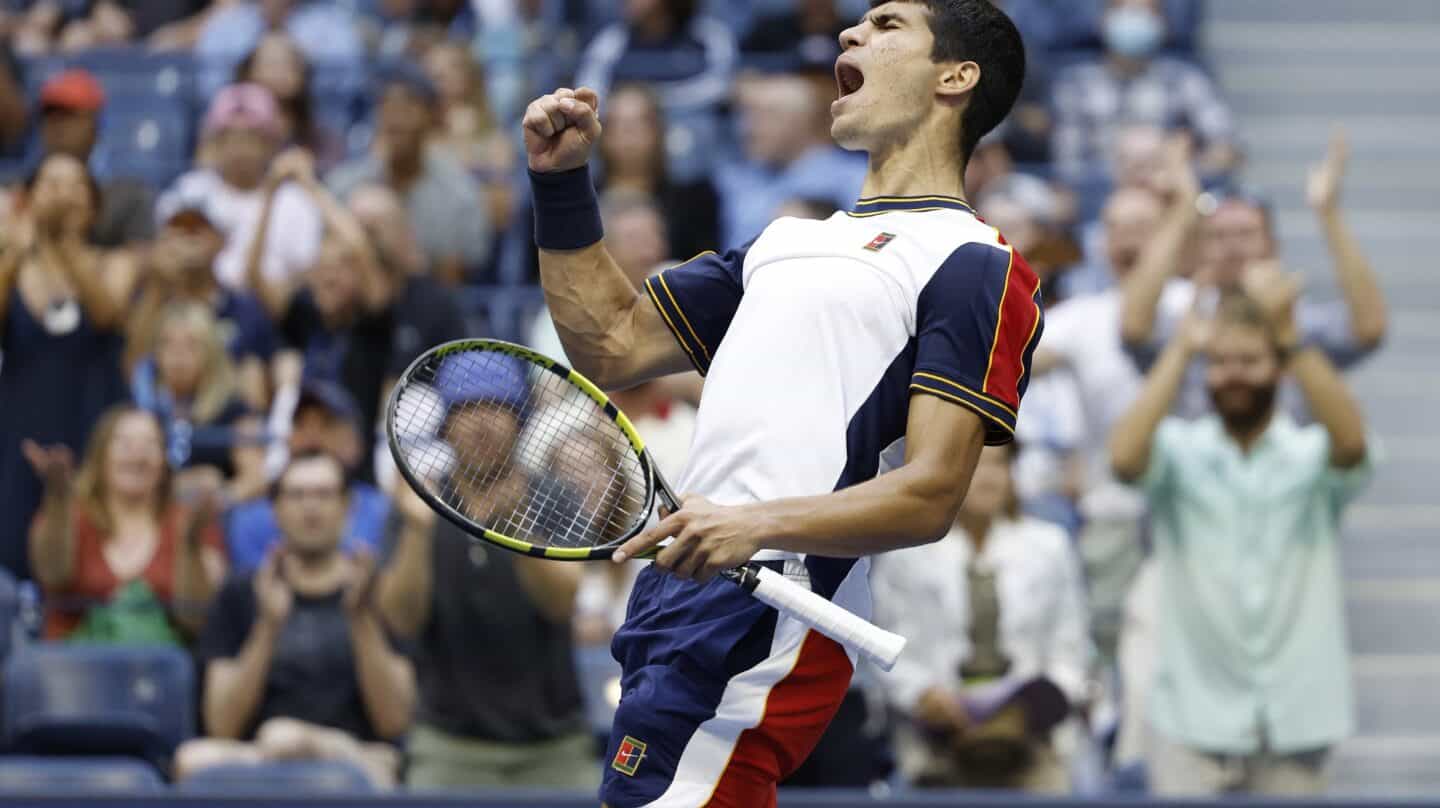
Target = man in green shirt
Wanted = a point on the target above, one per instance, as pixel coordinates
(1252, 685)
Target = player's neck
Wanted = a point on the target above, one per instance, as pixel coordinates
(916, 168)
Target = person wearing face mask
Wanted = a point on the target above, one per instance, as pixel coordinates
(1252, 684)
(1129, 84)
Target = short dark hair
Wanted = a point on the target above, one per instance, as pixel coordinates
(978, 31)
(306, 457)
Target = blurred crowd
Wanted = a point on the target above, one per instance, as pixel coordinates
(200, 321)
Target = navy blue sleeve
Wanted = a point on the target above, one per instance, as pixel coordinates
(976, 325)
(698, 299)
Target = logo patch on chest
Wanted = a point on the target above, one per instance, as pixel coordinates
(878, 243)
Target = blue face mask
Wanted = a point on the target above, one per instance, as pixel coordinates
(1133, 32)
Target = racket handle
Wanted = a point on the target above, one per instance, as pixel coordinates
(832, 620)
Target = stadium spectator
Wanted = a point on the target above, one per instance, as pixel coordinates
(633, 153)
(117, 558)
(805, 35)
(450, 221)
(787, 153)
(486, 718)
(688, 58)
(1252, 682)
(71, 104)
(62, 303)
(213, 441)
(180, 266)
(242, 135)
(1238, 247)
(468, 130)
(79, 25)
(1006, 605)
(1130, 83)
(425, 311)
(1082, 341)
(278, 65)
(296, 660)
(14, 107)
(324, 420)
(326, 32)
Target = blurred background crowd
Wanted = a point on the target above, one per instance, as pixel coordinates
(228, 225)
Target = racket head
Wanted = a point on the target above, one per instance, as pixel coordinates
(589, 485)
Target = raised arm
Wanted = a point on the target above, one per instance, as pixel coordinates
(1163, 256)
(1328, 398)
(1133, 434)
(405, 587)
(387, 679)
(235, 685)
(1358, 282)
(610, 332)
(52, 536)
(340, 223)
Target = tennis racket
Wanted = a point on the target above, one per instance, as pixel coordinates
(522, 452)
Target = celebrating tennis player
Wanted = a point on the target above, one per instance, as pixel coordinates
(903, 327)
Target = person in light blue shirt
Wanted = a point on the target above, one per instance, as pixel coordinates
(1252, 680)
(326, 32)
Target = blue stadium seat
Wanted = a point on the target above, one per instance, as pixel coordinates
(151, 140)
(130, 72)
(9, 611)
(599, 676)
(82, 775)
(99, 700)
(281, 778)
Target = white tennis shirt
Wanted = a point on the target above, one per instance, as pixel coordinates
(813, 337)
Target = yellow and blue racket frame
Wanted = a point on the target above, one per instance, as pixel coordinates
(655, 484)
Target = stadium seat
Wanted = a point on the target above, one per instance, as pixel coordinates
(9, 611)
(150, 140)
(82, 775)
(599, 676)
(281, 778)
(130, 72)
(99, 700)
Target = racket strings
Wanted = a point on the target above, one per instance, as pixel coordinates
(519, 449)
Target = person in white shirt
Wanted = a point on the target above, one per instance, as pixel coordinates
(241, 136)
(1005, 601)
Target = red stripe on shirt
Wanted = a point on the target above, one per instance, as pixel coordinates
(797, 711)
(1018, 320)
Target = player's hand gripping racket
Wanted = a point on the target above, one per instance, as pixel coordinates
(523, 452)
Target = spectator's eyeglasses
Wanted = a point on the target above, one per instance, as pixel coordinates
(309, 493)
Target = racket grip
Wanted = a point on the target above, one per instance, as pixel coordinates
(832, 620)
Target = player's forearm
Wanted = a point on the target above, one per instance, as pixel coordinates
(1358, 283)
(1332, 405)
(1133, 434)
(1159, 261)
(593, 307)
(233, 687)
(387, 680)
(915, 504)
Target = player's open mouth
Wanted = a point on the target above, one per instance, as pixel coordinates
(848, 78)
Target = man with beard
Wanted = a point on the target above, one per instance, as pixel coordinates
(1252, 684)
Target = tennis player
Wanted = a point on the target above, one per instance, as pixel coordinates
(903, 327)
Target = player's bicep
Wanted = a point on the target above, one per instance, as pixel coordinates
(977, 322)
(696, 301)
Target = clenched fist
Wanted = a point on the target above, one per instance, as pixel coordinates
(560, 129)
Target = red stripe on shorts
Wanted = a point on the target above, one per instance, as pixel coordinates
(797, 711)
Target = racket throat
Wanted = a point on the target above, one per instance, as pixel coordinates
(746, 577)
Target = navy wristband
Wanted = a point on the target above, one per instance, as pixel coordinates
(567, 212)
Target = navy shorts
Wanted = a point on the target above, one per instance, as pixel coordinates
(721, 697)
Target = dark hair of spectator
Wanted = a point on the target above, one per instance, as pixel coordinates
(659, 166)
(90, 484)
(301, 108)
(681, 11)
(305, 457)
(34, 176)
(979, 32)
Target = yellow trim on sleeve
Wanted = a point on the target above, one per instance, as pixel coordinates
(958, 400)
(678, 336)
(999, 318)
(683, 318)
(1002, 405)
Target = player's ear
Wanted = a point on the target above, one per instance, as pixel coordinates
(956, 81)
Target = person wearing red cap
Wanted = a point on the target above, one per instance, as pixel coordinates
(70, 106)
